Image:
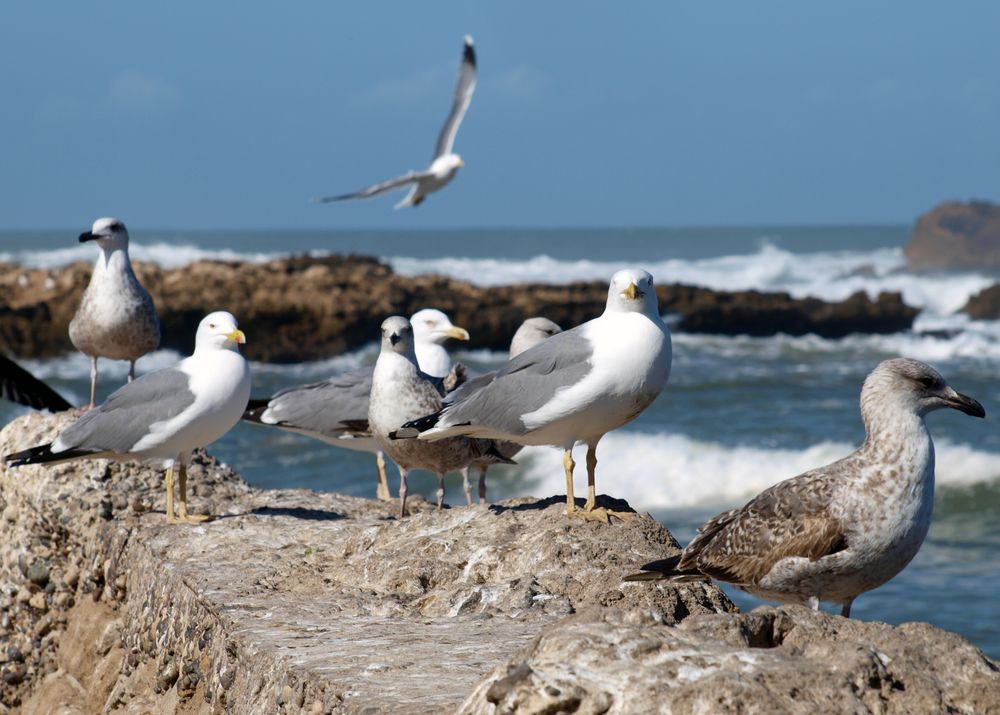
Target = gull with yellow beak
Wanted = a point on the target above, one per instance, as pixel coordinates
(445, 163)
(164, 415)
(575, 386)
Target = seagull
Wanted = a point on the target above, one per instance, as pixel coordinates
(116, 318)
(163, 415)
(20, 386)
(575, 386)
(335, 411)
(531, 332)
(445, 164)
(835, 532)
(400, 392)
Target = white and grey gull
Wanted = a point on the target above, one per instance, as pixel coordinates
(335, 411)
(445, 163)
(163, 415)
(116, 318)
(573, 387)
(401, 392)
(833, 533)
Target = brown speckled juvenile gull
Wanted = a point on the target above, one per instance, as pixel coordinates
(116, 318)
(401, 392)
(835, 532)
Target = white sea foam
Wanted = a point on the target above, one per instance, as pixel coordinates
(661, 471)
(831, 275)
(168, 255)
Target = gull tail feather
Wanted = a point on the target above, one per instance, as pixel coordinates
(666, 570)
(42, 454)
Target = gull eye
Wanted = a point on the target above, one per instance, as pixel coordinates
(429, 323)
(928, 381)
(213, 326)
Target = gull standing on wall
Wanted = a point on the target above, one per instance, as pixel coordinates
(445, 163)
(116, 318)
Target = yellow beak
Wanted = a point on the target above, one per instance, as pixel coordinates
(457, 333)
(632, 292)
(237, 336)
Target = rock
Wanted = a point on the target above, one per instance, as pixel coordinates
(956, 236)
(984, 305)
(773, 660)
(38, 573)
(307, 602)
(312, 308)
(38, 602)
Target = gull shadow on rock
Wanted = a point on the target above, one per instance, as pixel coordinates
(603, 500)
(298, 512)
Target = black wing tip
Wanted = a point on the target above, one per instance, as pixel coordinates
(661, 569)
(421, 424)
(495, 453)
(255, 409)
(469, 51)
(33, 455)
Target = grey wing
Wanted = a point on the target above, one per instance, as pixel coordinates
(125, 417)
(463, 95)
(376, 189)
(335, 406)
(525, 384)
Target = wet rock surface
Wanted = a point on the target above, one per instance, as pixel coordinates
(956, 236)
(312, 308)
(984, 305)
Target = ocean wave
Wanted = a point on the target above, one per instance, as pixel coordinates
(665, 471)
(168, 255)
(830, 275)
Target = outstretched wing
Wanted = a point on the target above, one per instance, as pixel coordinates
(376, 189)
(463, 95)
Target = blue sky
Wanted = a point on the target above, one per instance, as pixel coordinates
(212, 115)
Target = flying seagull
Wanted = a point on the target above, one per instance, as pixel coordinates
(575, 386)
(163, 415)
(835, 532)
(445, 164)
(116, 318)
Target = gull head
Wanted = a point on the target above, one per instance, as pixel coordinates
(433, 326)
(915, 387)
(110, 234)
(219, 331)
(397, 335)
(532, 332)
(632, 291)
(447, 165)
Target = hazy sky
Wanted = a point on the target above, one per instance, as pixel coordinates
(233, 114)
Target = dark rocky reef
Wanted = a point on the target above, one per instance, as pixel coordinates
(303, 308)
(956, 236)
(984, 305)
(297, 602)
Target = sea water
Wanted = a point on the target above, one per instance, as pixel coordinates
(739, 414)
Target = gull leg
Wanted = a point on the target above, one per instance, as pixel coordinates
(568, 465)
(131, 370)
(846, 610)
(402, 491)
(382, 492)
(482, 484)
(440, 491)
(93, 383)
(466, 485)
(171, 517)
(182, 514)
(590, 508)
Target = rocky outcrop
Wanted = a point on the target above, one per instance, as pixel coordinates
(293, 601)
(984, 305)
(309, 308)
(956, 236)
(773, 660)
(298, 602)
